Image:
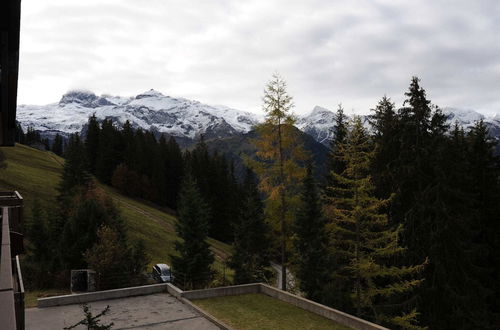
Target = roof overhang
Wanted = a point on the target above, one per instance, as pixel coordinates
(10, 17)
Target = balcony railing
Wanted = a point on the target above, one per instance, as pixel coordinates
(11, 282)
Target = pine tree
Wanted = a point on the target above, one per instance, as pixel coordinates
(174, 171)
(37, 233)
(313, 263)
(363, 242)
(20, 137)
(340, 129)
(90, 208)
(75, 171)
(108, 152)
(57, 145)
(385, 123)
(279, 160)
(92, 143)
(32, 136)
(250, 259)
(192, 265)
(484, 173)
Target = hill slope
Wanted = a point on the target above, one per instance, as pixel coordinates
(36, 175)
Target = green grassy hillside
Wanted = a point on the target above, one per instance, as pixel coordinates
(36, 174)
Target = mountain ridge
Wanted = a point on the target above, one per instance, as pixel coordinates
(185, 119)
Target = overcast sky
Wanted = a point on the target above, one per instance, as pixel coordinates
(224, 51)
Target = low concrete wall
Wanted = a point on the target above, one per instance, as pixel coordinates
(222, 291)
(173, 290)
(311, 306)
(101, 295)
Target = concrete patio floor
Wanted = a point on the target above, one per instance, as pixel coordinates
(155, 311)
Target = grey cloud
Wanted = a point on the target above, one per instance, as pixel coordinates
(224, 51)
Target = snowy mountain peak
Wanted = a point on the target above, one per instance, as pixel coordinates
(150, 110)
(184, 118)
(465, 117)
(317, 110)
(78, 96)
(84, 98)
(149, 93)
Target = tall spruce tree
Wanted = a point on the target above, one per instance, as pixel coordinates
(250, 259)
(313, 261)
(92, 143)
(174, 171)
(364, 244)
(340, 130)
(19, 137)
(75, 170)
(192, 265)
(279, 160)
(57, 145)
(484, 174)
(108, 152)
(385, 123)
(90, 209)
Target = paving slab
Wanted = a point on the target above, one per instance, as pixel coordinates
(155, 311)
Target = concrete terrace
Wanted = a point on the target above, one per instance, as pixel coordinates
(154, 311)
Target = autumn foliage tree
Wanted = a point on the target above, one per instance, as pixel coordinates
(279, 162)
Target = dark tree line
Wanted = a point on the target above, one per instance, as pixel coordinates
(141, 165)
(442, 187)
(32, 137)
(84, 231)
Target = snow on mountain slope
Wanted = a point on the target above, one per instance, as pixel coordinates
(150, 111)
(318, 124)
(185, 118)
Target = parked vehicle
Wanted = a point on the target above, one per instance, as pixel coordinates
(162, 273)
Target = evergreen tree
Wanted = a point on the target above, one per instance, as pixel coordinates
(37, 233)
(57, 145)
(445, 211)
(92, 143)
(117, 264)
(38, 261)
(385, 123)
(192, 265)
(484, 174)
(20, 137)
(278, 162)
(75, 171)
(364, 243)
(250, 259)
(174, 172)
(32, 136)
(91, 209)
(340, 129)
(108, 152)
(213, 176)
(313, 264)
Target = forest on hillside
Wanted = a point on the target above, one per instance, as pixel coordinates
(402, 230)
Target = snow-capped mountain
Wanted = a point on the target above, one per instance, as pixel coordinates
(185, 119)
(151, 110)
(318, 124)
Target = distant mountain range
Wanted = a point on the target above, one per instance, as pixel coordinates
(182, 118)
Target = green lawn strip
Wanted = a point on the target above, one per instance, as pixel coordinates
(258, 311)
